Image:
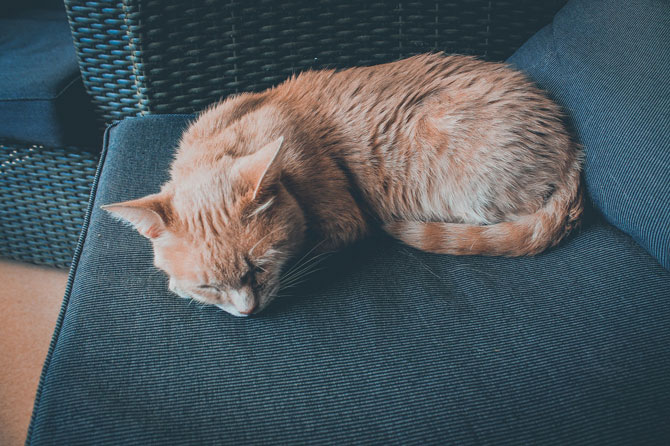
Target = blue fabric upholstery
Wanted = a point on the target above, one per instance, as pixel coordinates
(606, 62)
(387, 345)
(42, 98)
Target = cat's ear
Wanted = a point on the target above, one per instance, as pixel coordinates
(260, 168)
(147, 214)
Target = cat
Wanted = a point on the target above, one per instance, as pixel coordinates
(448, 154)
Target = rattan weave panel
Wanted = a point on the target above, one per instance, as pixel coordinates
(176, 56)
(105, 38)
(43, 197)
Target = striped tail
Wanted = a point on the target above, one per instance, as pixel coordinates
(528, 235)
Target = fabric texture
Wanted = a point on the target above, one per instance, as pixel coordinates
(42, 98)
(606, 62)
(386, 345)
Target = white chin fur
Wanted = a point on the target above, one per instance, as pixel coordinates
(230, 309)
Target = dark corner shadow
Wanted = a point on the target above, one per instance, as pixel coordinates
(591, 215)
(328, 269)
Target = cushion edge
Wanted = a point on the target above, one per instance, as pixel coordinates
(70, 282)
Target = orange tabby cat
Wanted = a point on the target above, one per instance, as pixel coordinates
(449, 154)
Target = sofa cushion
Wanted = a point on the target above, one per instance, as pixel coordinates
(386, 345)
(607, 63)
(42, 97)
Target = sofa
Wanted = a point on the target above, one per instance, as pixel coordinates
(384, 344)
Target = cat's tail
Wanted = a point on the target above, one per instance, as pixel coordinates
(528, 235)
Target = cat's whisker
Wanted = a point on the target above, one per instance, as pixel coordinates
(251, 251)
(305, 270)
(302, 280)
(297, 264)
(291, 273)
(295, 284)
(298, 268)
(300, 274)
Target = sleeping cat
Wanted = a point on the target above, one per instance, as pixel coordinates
(448, 154)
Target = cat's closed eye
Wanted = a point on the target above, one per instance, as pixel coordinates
(249, 278)
(210, 287)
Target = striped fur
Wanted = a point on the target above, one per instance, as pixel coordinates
(527, 235)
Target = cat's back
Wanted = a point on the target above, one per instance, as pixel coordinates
(433, 131)
(401, 103)
(405, 82)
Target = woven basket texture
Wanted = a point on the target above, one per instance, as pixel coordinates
(175, 56)
(43, 198)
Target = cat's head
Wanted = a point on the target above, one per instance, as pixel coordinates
(222, 233)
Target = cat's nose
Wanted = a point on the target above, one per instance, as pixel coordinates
(247, 311)
(243, 301)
